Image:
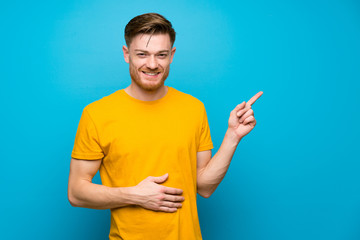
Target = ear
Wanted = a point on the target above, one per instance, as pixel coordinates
(126, 54)
(173, 50)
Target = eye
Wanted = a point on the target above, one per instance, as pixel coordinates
(162, 55)
(141, 54)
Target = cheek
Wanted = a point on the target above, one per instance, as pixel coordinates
(135, 65)
(136, 62)
(165, 64)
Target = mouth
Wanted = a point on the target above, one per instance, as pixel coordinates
(151, 74)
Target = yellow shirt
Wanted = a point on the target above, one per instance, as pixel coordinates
(137, 139)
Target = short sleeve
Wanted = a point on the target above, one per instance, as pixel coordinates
(205, 137)
(87, 145)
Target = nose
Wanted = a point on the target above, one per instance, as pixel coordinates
(152, 62)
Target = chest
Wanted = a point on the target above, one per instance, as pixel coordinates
(150, 131)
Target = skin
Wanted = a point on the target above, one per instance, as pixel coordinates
(211, 171)
(149, 54)
(154, 54)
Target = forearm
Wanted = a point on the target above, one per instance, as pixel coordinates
(210, 176)
(89, 195)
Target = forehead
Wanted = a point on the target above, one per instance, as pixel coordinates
(147, 42)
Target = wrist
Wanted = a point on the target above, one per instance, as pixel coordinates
(232, 137)
(128, 195)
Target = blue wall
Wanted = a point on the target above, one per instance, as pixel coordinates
(296, 176)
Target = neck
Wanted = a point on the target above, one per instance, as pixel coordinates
(136, 92)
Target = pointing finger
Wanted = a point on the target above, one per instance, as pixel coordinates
(254, 98)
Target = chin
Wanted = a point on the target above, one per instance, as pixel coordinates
(149, 86)
(146, 84)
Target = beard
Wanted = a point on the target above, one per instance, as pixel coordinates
(149, 86)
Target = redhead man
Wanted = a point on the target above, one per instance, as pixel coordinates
(151, 144)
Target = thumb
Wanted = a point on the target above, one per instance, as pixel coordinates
(161, 179)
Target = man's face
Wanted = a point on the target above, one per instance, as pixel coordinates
(149, 58)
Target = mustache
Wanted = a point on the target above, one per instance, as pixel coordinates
(152, 70)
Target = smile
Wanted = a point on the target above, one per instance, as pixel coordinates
(152, 74)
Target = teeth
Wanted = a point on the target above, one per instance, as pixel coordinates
(151, 74)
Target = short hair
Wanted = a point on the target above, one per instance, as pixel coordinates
(149, 23)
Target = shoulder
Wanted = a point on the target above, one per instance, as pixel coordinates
(104, 104)
(187, 99)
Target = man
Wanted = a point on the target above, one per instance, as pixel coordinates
(151, 144)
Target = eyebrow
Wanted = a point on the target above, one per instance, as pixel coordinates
(161, 51)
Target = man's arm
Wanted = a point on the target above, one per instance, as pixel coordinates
(211, 171)
(148, 193)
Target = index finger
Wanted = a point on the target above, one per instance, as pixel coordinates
(173, 191)
(254, 98)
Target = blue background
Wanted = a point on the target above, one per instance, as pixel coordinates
(295, 176)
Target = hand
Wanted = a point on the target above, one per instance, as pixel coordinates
(242, 119)
(150, 195)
